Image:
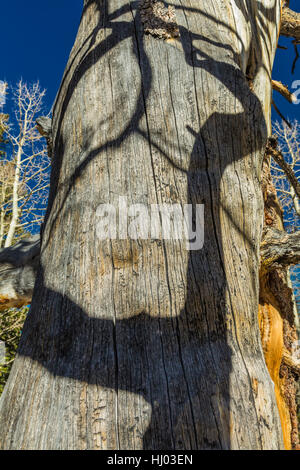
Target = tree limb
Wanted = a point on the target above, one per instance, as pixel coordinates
(18, 268)
(296, 55)
(44, 126)
(290, 24)
(281, 115)
(291, 362)
(283, 90)
(279, 248)
(290, 27)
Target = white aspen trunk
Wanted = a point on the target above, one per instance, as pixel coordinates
(15, 194)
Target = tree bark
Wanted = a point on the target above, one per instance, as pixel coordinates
(142, 344)
(290, 23)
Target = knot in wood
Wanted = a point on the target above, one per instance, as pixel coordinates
(158, 20)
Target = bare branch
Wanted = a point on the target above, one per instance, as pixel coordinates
(296, 55)
(279, 159)
(18, 268)
(290, 23)
(279, 248)
(280, 114)
(291, 362)
(44, 126)
(283, 90)
(290, 27)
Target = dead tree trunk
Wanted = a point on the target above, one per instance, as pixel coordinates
(143, 344)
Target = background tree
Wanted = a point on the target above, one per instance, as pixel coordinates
(289, 147)
(142, 344)
(24, 172)
(24, 183)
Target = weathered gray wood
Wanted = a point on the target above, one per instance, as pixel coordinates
(290, 23)
(279, 248)
(18, 267)
(18, 264)
(143, 344)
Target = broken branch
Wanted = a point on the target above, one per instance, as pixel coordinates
(279, 248)
(18, 268)
(290, 23)
(283, 90)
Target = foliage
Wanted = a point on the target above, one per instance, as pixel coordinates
(11, 323)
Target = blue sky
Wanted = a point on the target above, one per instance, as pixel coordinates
(36, 40)
(37, 37)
